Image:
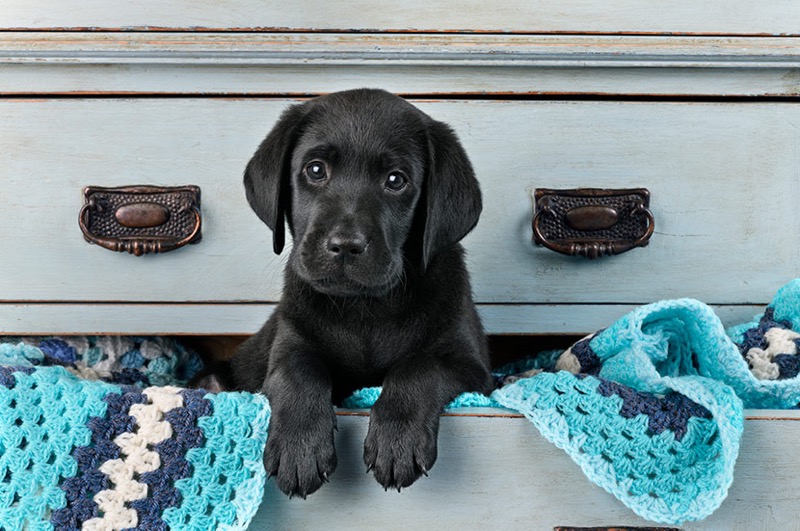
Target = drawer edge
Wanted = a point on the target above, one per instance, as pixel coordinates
(245, 319)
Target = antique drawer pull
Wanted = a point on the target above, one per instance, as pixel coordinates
(141, 219)
(592, 222)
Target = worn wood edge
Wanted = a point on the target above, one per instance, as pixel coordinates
(555, 51)
(472, 412)
(278, 30)
(774, 17)
(149, 318)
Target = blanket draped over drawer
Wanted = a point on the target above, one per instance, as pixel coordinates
(650, 408)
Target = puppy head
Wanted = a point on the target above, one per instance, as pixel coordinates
(368, 184)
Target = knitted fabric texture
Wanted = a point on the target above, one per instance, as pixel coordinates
(78, 454)
(651, 408)
(124, 360)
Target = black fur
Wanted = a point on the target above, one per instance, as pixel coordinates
(376, 291)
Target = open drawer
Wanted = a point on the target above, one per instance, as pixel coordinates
(496, 472)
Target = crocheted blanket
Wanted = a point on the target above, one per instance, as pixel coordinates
(93, 455)
(651, 408)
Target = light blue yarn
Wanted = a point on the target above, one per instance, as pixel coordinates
(669, 346)
(689, 493)
(19, 355)
(49, 409)
(365, 398)
(241, 417)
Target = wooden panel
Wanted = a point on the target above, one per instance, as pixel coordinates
(499, 473)
(772, 17)
(132, 63)
(721, 178)
(244, 319)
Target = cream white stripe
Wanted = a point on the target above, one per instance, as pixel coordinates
(137, 458)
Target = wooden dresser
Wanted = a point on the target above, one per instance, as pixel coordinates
(696, 102)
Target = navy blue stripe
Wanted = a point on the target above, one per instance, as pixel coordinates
(671, 412)
(754, 337)
(7, 375)
(788, 365)
(186, 434)
(589, 361)
(80, 490)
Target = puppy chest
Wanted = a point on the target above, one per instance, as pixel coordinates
(626, 152)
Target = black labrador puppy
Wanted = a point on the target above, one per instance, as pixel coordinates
(376, 195)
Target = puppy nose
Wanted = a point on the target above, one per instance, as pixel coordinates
(353, 245)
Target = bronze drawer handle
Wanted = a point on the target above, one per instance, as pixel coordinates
(592, 222)
(141, 219)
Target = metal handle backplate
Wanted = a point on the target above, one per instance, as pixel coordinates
(141, 219)
(592, 222)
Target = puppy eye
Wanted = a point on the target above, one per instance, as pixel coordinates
(316, 171)
(396, 181)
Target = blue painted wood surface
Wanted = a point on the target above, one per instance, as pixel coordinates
(721, 177)
(772, 17)
(497, 472)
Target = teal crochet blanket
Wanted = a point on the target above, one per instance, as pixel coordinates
(651, 408)
(78, 451)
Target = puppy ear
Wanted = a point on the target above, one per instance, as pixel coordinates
(451, 195)
(267, 176)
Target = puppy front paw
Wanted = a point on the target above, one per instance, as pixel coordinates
(398, 452)
(300, 460)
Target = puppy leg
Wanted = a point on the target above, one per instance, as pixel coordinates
(215, 379)
(401, 443)
(300, 452)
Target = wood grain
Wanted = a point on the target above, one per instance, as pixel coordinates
(499, 473)
(246, 319)
(772, 17)
(235, 63)
(721, 177)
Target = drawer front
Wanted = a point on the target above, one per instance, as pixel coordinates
(495, 471)
(739, 17)
(722, 179)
